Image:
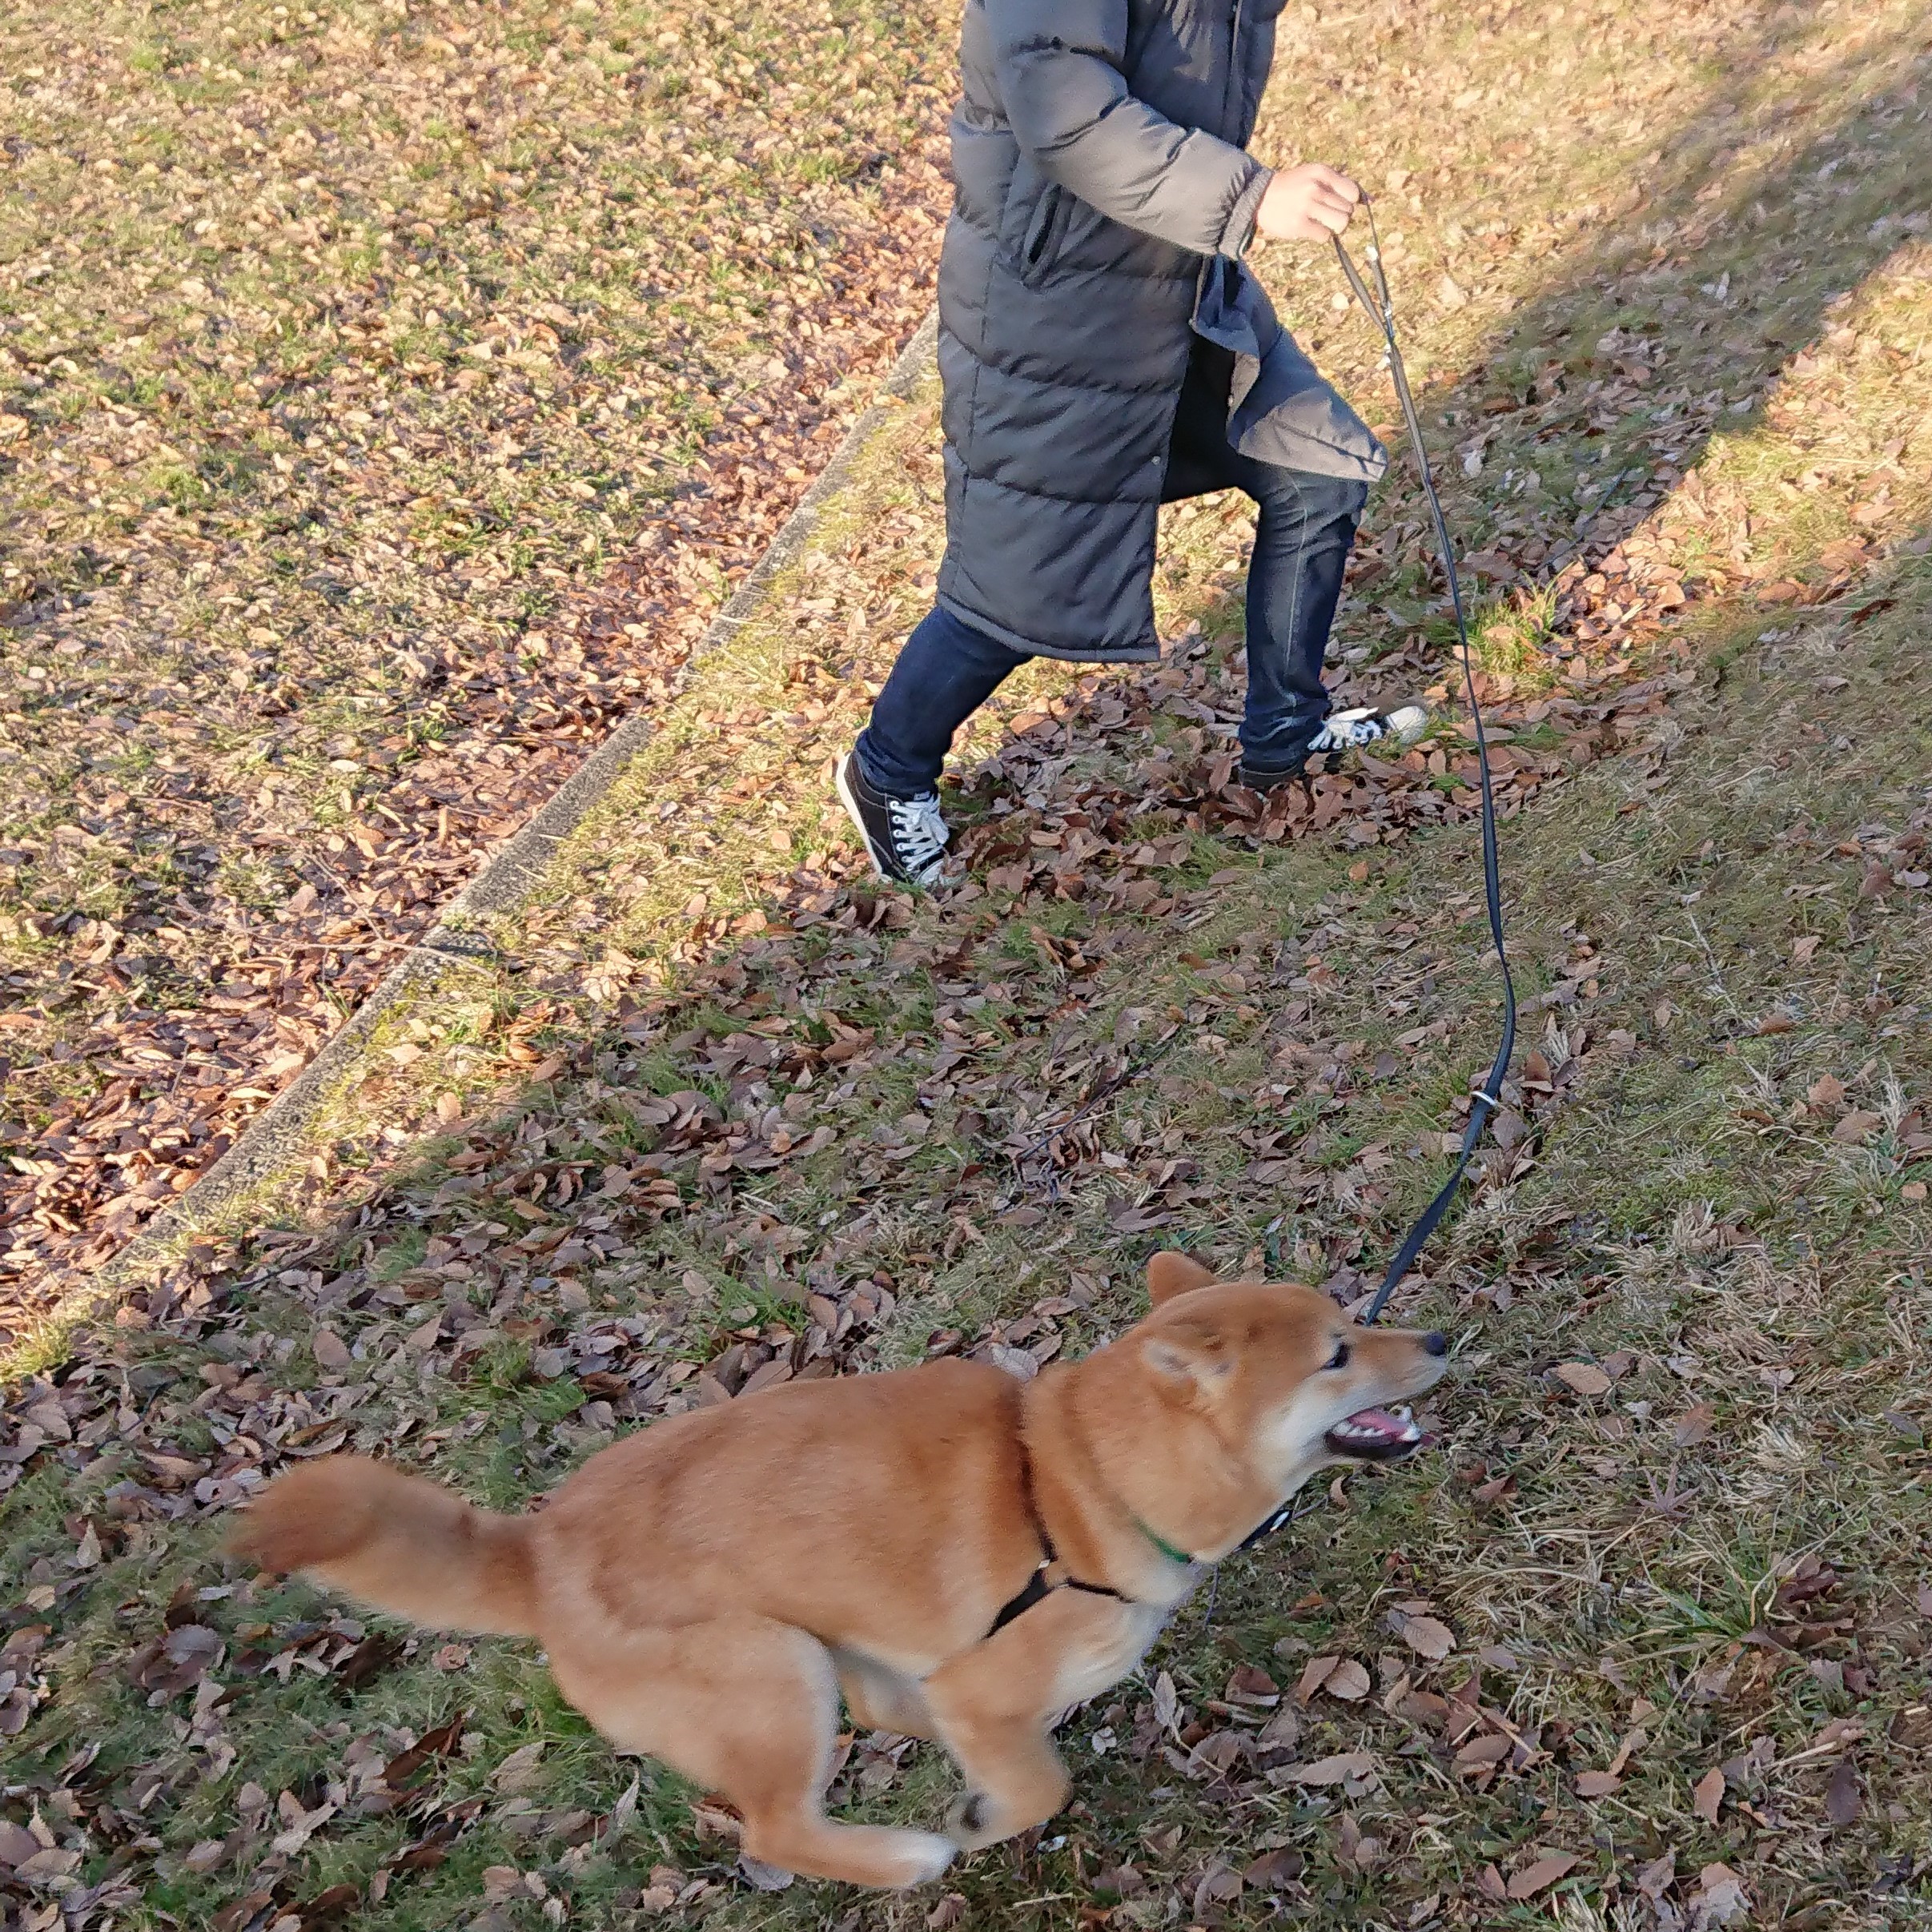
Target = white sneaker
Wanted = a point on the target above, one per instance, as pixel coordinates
(1346, 731)
(1352, 730)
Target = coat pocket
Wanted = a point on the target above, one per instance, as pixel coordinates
(1043, 233)
(1034, 223)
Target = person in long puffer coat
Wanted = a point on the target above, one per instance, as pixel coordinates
(1104, 348)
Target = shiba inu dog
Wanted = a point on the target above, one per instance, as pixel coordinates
(962, 1555)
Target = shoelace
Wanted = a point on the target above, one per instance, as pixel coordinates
(918, 831)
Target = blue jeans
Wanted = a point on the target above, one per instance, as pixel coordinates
(1303, 534)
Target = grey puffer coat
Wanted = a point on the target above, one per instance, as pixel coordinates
(1103, 203)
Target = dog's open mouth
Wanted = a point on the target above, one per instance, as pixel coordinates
(1375, 1435)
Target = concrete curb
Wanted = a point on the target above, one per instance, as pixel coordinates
(268, 1142)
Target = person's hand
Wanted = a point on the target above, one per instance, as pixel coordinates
(1307, 204)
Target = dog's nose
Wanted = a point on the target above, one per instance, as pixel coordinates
(1436, 1341)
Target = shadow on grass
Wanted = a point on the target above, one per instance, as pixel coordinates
(1654, 337)
(1724, 272)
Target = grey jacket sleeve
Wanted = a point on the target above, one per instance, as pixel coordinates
(1062, 78)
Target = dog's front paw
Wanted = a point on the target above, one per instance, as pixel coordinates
(971, 1823)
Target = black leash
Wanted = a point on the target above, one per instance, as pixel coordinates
(1488, 1098)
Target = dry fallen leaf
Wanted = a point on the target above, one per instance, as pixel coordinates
(1272, 1869)
(1719, 1898)
(1343, 1766)
(1857, 1126)
(1428, 1638)
(1597, 1784)
(1657, 1877)
(51, 1864)
(332, 1353)
(1348, 1681)
(1585, 1378)
(1167, 1701)
(1694, 1425)
(1826, 1091)
(1707, 1795)
(1250, 1686)
(1843, 1799)
(1315, 1674)
(518, 1771)
(1482, 1753)
(500, 1881)
(1540, 1876)
(18, 1844)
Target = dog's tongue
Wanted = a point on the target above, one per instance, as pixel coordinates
(1377, 1425)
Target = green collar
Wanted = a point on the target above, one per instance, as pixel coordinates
(1165, 1548)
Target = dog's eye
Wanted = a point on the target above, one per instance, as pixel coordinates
(1340, 1359)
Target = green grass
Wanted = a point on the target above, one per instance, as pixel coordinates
(1514, 640)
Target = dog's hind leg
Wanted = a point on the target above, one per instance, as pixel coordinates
(749, 1708)
(880, 1698)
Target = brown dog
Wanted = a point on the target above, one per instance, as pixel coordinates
(964, 1555)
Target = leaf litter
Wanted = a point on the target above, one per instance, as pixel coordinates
(791, 1152)
(461, 365)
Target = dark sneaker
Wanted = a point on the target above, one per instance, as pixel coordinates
(905, 836)
(1345, 731)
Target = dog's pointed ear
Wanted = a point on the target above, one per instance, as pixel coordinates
(1190, 1360)
(1169, 1275)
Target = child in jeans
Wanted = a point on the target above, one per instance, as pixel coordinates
(1103, 349)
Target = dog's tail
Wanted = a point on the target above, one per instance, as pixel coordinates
(396, 1543)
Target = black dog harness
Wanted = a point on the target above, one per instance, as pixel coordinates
(1040, 1586)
